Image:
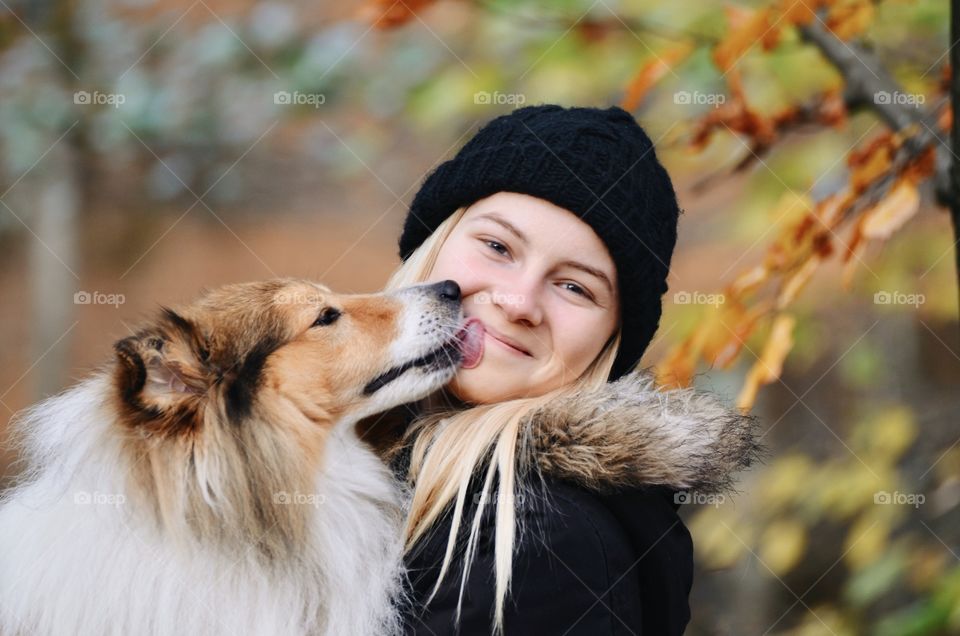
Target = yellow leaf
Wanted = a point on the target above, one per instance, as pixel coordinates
(860, 485)
(892, 212)
(782, 545)
(784, 481)
(866, 540)
(719, 539)
(890, 434)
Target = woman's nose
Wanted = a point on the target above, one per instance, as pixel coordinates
(520, 305)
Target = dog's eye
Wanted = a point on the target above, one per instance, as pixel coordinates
(327, 317)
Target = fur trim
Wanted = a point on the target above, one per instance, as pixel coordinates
(629, 434)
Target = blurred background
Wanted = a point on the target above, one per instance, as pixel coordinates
(152, 148)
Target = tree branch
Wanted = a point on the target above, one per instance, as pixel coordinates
(954, 180)
(868, 84)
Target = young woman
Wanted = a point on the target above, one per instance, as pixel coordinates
(544, 477)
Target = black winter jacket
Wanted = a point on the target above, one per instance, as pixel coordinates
(585, 564)
(600, 547)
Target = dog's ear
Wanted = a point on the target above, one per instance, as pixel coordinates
(162, 369)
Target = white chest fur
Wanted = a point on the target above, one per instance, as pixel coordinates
(76, 559)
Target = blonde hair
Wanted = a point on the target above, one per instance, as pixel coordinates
(450, 443)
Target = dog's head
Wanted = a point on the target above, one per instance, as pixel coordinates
(255, 350)
(227, 402)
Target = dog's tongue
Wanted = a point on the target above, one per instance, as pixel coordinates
(471, 342)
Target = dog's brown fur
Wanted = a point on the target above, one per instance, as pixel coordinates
(239, 352)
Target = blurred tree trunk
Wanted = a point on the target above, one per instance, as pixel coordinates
(53, 282)
(59, 200)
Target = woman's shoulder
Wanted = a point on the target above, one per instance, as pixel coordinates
(630, 546)
(638, 515)
(585, 562)
(630, 521)
(557, 510)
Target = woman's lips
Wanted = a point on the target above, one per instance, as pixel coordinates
(507, 346)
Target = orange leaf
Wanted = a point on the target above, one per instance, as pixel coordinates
(799, 12)
(851, 258)
(870, 167)
(677, 368)
(770, 364)
(744, 32)
(725, 356)
(850, 19)
(858, 156)
(748, 281)
(652, 72)
(830, 210)
(721, 331)
(388, 14)
(792, 286)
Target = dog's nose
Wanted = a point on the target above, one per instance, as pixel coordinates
(449, 290)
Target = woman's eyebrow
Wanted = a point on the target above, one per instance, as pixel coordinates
(593, 271)
(510, 227)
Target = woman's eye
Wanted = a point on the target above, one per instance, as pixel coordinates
(496, 247)
(327, 317)
(577, 289)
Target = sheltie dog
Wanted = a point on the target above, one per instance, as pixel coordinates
(210, 480)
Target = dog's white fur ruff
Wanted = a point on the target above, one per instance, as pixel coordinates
(138, 581)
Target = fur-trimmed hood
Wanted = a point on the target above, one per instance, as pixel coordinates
(606, 510)
(629, 433)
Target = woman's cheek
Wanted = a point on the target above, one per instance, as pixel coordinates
(574, 343)
(473, 274)
(456, 264)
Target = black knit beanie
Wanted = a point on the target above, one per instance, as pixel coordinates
(598, 164)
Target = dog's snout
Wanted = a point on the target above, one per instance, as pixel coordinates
(449, 290)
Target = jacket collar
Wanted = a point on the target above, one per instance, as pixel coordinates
(630, 434)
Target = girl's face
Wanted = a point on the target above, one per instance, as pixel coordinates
(539, 279)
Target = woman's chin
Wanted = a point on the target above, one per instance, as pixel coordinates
(479, 385)
(489, 382)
